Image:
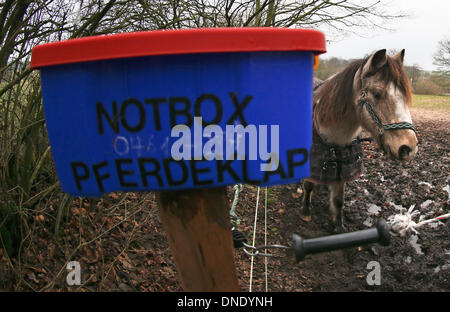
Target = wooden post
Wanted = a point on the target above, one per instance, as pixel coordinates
(198, 228)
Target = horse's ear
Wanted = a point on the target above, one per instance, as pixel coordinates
(374, 63)
(400, 56)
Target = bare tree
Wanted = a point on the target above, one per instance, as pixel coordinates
(442, 56)
(26, 23)
(341, 15)
(414, 73)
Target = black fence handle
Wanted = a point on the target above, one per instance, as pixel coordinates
(379, 234)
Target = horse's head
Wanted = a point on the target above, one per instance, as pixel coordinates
(382, 99)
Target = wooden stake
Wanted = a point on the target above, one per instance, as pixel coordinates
(198, 228)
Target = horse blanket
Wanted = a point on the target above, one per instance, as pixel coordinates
(332, 164)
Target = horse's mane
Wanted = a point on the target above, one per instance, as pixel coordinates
(336, 94)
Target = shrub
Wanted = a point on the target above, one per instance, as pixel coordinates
(426, 86)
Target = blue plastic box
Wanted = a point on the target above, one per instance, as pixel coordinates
(117, 106)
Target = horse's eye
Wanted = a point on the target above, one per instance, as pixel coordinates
(376, 95)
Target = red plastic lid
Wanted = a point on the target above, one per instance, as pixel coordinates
(186, 41)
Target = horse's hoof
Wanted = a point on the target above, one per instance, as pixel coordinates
(305, 218)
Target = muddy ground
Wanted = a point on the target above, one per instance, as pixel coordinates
(413, 263)
(120, 245)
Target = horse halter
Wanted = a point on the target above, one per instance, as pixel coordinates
(364, 102)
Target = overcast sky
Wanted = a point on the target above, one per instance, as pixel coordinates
(429, 22)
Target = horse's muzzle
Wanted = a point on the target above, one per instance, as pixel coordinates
(399, 147)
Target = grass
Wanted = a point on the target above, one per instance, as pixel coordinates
(431, 102)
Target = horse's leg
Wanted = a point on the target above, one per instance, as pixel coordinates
(337, 204)
(305, 209)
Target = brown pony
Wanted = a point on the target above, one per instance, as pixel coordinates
(372, 94)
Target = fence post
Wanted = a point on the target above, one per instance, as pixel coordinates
(198, 228)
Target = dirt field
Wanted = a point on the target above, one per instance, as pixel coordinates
(423, 182)
(119, 242)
